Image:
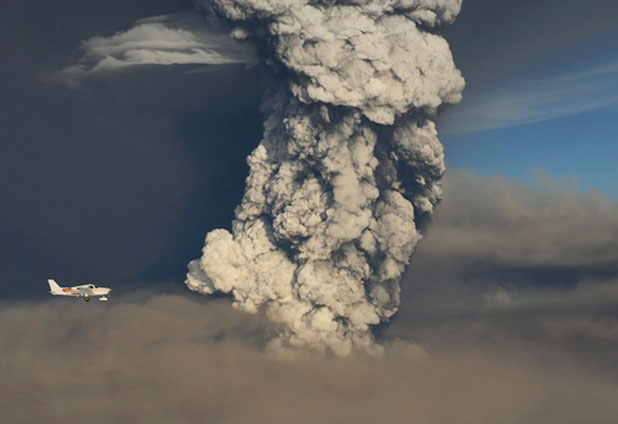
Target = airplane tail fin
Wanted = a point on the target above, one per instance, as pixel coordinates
(53, 286)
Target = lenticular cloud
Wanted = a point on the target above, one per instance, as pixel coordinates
(350, 157)
(178, 39)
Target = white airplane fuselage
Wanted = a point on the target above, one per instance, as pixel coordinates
(85, 291)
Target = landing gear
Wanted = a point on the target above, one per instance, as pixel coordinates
(86, 299)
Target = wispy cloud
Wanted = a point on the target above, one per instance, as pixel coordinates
(181, 38)
(536, 100)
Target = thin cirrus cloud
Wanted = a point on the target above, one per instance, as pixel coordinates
(536, 100)
(175, 39)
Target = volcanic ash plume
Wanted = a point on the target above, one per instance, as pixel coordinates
(350, 156)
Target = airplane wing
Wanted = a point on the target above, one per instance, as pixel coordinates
(86, 291)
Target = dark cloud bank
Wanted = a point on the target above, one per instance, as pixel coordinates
(493, 39)
(508, 317)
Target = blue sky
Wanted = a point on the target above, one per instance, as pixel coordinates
(555, 115)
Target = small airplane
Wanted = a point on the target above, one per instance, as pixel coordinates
(86, 291)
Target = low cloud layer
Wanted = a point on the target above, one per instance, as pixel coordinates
(175, 359)
(495, 330)
(502, 262)
(176, 39)
(505, 222)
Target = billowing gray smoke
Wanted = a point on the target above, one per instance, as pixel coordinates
(350, 156)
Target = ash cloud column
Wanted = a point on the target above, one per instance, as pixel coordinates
(349, 158)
